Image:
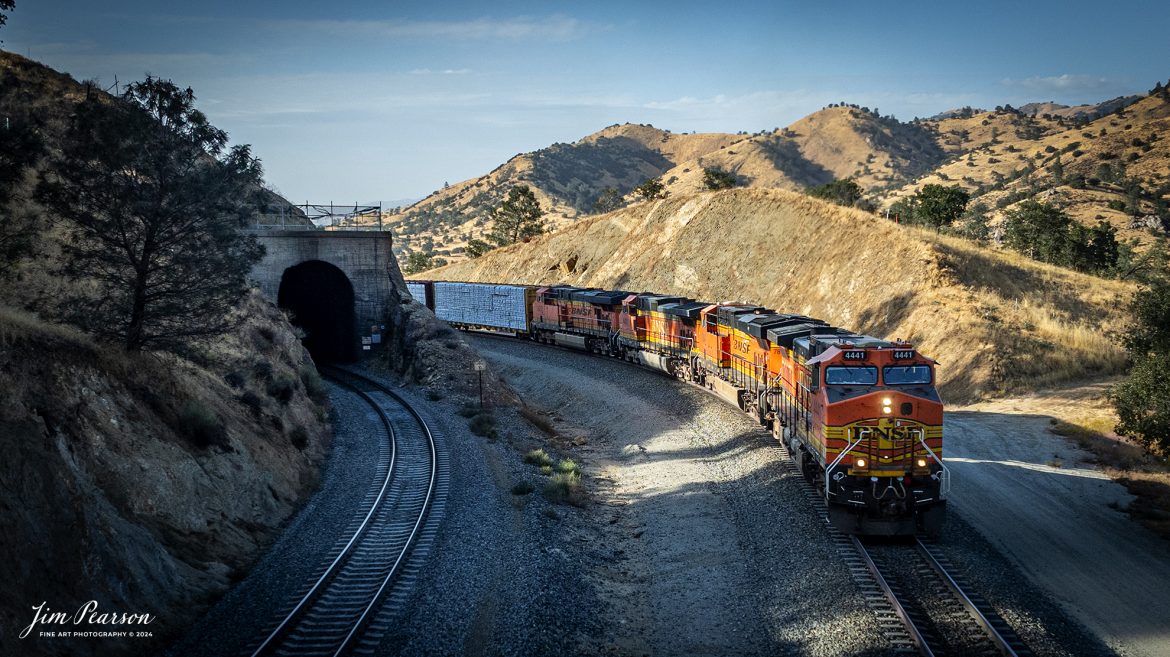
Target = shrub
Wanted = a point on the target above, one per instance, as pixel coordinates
(282, 388)
(716, 178)
(299, 438)
(483, 424)
(252, 401)
(262, 369)
(200, 425)
(538, 457)
(434, 395)
(568, 465)
(311, 379)
(565, 488)
(468, 410)
(235, 379)
(523, 488)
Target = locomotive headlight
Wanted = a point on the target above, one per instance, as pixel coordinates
(920, 462)
(887, 410)
(860, 463)
(887, 401)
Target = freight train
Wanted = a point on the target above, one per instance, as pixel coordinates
(860, 416)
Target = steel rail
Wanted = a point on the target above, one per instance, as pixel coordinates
(353, 633)
(998, 639)
(911, 627)
(345, 557)
(318, 587)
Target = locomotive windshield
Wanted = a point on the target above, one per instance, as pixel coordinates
(906, 375)
(838, 375)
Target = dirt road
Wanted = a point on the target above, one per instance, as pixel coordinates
(1034, 495)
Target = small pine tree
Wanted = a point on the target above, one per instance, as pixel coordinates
(715, 178)
(651, 189)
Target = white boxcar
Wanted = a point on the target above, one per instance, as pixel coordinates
(482, 304)
(418, 290)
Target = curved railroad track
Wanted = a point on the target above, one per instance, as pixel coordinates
(369, 573)
(929, 614)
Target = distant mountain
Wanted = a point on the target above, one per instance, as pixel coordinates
(1089, 112)
(569, 179)
(998, 156)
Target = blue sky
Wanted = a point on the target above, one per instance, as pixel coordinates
(369, 101)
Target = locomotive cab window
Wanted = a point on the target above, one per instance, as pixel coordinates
(847, 375)
(906, 375)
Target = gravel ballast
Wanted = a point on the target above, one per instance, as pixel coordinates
(709, 547)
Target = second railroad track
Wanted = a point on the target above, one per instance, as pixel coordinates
(369, 567)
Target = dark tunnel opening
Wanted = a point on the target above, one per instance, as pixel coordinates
(320, 297)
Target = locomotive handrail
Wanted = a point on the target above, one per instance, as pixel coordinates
(829, 470)
(944, 484)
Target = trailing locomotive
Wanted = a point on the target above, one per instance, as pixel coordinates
(861, 416)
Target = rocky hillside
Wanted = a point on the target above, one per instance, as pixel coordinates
(148, 483)
(145, 482)
(995, 321)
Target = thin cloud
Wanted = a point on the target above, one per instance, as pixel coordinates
(1059, 83)
(445, 71)
(520, 28)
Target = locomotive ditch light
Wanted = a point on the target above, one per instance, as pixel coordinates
(920, 462)
(860, 463)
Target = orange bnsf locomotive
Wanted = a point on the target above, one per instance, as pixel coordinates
(861, 416)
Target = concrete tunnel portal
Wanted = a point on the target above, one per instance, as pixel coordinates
(321, 299)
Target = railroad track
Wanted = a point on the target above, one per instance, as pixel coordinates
(373, 566)
(929, 614)
(921, 607)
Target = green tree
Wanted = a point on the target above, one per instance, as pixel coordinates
(419, 261)
(1150, 333)
(1057, 170)
(716, 178)
(902, 211)
(844, 192)
(6, 5)
(152, 201)
(476, 247)
(517, 218)
(650, 189)
(940, 206)
(1143, 400)
(610, 200)
(975, 223)
(1038, 230)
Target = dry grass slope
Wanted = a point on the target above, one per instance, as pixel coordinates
(995, 321)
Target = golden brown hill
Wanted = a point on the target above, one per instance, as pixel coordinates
(568, 179)
(995, 321)
(1002, 158)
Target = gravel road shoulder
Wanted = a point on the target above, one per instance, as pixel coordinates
(698, 552)
(1041, 502)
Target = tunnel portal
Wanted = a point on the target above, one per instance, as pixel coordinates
(321, 299)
